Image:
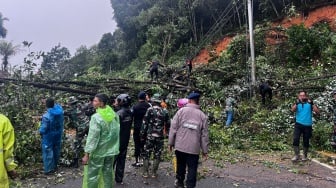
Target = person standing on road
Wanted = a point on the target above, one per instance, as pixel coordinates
(152, 133)
(304, 108)
(7, 164)
(126, 118)
(139, 111)
(81, 124)
(188, 136)
(51, 130)
(102, 145)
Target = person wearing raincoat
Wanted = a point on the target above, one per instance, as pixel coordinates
(102, 145)
(7, 164)
(51, 131)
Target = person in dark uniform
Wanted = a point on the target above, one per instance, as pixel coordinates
(139, 111)
(265, 89)
(154, 69)
(125, 118)
(188, 64)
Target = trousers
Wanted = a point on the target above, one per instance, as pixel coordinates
(185, 160)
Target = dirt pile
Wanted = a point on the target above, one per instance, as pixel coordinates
(323, 14)
(205, 55)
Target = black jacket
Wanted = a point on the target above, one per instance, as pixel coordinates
(125, 117)
(139, 111)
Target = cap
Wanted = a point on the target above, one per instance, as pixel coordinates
(142, 95)
(334, 92)
(194, 95)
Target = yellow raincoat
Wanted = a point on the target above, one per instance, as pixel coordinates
(7, 139)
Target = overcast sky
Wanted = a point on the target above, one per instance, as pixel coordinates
(48, 22)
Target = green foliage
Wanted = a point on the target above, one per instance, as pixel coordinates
(53, 61)
(78, 64)
(111, 52)
(239, 48)
(306, 45)
(322, 135)
(28, 146)
(329, 53)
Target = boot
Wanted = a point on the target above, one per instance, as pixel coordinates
(297, 153)
(145, 168)
(75, 163)
(305, 154)
(155, 167)
(136, 164)
(178, 184)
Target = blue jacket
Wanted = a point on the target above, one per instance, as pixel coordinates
(52, 124)
(304, 114)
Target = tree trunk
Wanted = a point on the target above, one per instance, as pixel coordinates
(192, 20)
(166, 44)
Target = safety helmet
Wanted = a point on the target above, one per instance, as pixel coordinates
(182, 102)
(124, 100)
(156, 98)
(72, 100)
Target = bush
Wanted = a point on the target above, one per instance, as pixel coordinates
(322, 132)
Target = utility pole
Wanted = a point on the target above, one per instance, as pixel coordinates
(250, 19)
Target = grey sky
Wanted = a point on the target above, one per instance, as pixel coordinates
(48, 22)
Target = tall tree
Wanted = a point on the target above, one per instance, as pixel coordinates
(54, 60)
(3, 30)
(7, 49)
(78, 64)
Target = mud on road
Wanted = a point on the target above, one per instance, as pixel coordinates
(257, 170)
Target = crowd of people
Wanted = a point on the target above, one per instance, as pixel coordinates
(107, 126)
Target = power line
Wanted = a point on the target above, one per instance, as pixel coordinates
(218, 25)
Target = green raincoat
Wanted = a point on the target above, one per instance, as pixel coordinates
(7, 139)
(102, 144)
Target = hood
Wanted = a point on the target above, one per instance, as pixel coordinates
(56, 110)
(106, 113)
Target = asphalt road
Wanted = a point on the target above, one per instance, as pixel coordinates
(249, 174)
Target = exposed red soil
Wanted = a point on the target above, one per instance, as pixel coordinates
(323, 14)
(205, 54)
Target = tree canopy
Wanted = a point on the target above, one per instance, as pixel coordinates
(3, 30)
(160, 29)
(7, 49)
